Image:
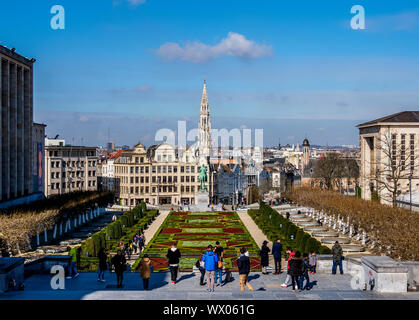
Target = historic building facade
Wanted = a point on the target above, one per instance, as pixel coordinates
(16, 121)
(157, 175)
(389, 155)
(69, 168)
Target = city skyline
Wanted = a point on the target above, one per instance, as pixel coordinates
(137, 66)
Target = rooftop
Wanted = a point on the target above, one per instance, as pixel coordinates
(401, 117)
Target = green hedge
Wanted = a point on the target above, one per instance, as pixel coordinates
(124, 229)
(275, 226)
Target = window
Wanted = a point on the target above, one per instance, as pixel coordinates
(52, 164)
(146, 179)
(136, 169)
(182, 169)
(136, 179)
(153, 169)
(146, 169)
(174, 169)
(131, 170)
(169, 169)
(141, 169)
(192, 169)
(142, 159)
(142, 179)
(182, 179)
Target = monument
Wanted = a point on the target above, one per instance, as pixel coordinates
(203, 195)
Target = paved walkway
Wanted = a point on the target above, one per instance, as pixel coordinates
(256, 233)
(152, 229)
(267, 287)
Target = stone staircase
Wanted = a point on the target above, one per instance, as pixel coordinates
(325, 232)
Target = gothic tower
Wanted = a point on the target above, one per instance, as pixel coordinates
(204, 128)
(306, 152)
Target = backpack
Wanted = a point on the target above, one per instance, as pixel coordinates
(228, 277)
(197, 264)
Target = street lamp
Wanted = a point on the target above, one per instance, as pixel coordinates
(209, 180)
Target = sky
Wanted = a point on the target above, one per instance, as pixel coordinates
(123, 69)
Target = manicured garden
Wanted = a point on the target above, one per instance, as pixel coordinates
(275, 226)
(193, 232)
(124, 229)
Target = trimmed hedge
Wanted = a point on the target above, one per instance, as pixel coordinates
(275, 226)
(124, 229)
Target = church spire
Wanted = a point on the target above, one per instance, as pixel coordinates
(204, 127)
(204, 99)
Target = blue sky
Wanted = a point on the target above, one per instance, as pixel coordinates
(291, 68)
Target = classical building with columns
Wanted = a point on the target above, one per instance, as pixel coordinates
(16, 120)
(389, 156)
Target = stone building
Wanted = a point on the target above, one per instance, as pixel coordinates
(389, 146)
(16, 120)
(38, 137)
(69, 168)
(156, 175)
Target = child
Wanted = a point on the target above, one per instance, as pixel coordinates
(288, 257)
(312, 262)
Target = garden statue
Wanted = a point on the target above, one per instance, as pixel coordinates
(202, 178)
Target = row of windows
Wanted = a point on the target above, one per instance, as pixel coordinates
(56, 175)
(56, 164)
(74, 184)
(163, 189)
(157, 169)
(72, 153)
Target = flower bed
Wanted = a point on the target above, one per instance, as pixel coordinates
(193, 232)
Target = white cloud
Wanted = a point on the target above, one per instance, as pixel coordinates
(404, 21)
(235, 45)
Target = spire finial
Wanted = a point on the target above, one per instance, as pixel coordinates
(205, 80)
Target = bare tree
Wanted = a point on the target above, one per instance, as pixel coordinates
(394, 165)
(332, 169)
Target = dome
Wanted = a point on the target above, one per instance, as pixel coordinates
(306, 143)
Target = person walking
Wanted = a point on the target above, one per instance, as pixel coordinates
(264, 256)
(290, 254)
(210, 260)
(119, 263)
(296, 269)
(146, 267)
(219, 251)
(287, 215)
(305, 276)
(277, 253)
(173, 255)
(201, 266)
(312, 260)
(337, 257)
(72, 271)
(243, 263)
(103, 265)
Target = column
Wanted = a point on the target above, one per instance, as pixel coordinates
(27, 122)
(13, 129)
(5, 130)
(20, 136)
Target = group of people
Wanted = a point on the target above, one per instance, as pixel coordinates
(211, 264)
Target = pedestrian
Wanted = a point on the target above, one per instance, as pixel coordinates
(119, 263)
(72, 271)
(305, 276)
(312, 262)
(277, 253)
(173, 254)
(287, 215)
(337, 257)
(201, 266)
(114, 218)
(146, 267)
(264, 256)
(296, 270)
(290, 254)
(243, 263)
(210, 260)
(103, 265)
(219, 251)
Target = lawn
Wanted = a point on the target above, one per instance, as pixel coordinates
(194, 231)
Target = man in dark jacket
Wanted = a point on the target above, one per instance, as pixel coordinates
(264, 256)
(103, 265)
(120, 264)
(296, 270)
(277, 253)
(173, 254)
(337, 257)
(243, 263)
